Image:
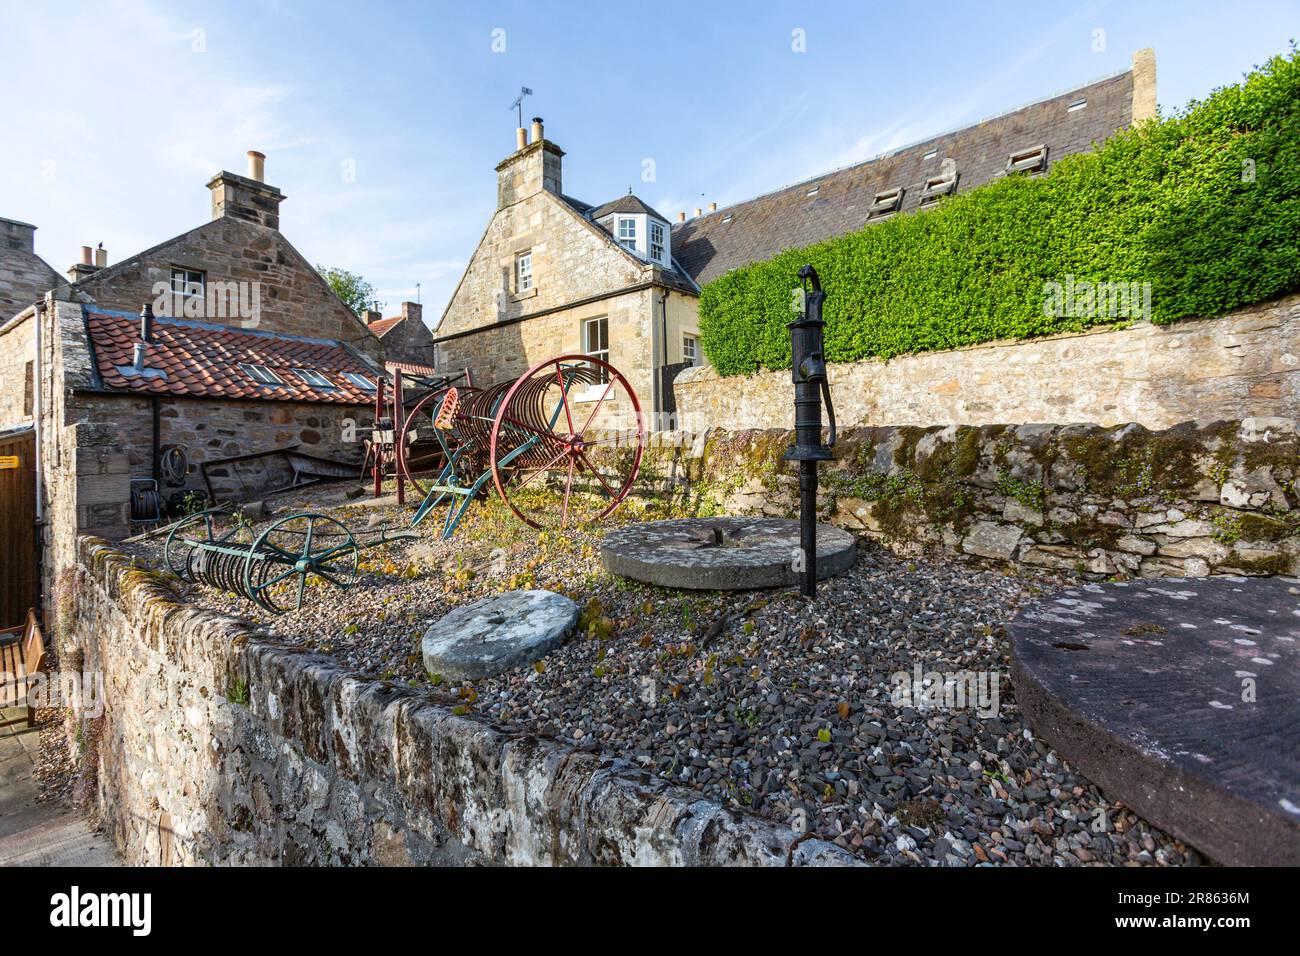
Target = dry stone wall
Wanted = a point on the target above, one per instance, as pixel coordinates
(218, 745)
(1118, 501)
(1244, 364)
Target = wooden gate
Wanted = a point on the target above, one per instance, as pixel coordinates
(19, 553)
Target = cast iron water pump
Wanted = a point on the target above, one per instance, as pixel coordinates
(808, 367)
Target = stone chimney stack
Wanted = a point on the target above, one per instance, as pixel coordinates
(247, 197)
(85, 267)
(18, 236)
(413, 310)
(370, 316)
(532, 167)
(1144, 85)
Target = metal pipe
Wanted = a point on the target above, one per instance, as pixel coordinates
(38, 410)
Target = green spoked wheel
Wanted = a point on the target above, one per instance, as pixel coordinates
(215, 526)
(298, 552)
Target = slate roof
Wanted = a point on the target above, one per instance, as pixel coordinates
(758, 229)
(202, 360)
(628, 204)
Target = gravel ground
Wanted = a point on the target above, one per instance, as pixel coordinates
(760, 700)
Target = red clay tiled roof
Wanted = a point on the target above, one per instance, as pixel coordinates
(203, 359)
(415, 368)
(380, 326)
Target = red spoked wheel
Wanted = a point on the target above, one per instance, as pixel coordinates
(569, 428)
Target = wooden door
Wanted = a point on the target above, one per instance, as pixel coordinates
(19, 552)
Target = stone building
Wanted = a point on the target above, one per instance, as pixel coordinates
(406, 340)
(553, 274)
(248, 351)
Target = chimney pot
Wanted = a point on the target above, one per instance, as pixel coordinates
(256, 166)
(87, 256)
(101, 257)
(521, 138)
(697, 211)
(713, 207)
(537, 129)
(681, 217)
(146, 326)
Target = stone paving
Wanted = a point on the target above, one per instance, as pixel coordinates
(39, 834)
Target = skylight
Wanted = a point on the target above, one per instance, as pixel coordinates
(262, 375)
(814, 191)
(935, 188)
(360, 381)
(931, 154)
(313, 378)
(1030, 160)
(1077, 105)
(885, 204)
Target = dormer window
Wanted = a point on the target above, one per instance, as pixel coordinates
(1032, 160)
(627, 232)
(885, 204)
(656, 241)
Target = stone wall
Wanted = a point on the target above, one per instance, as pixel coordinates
(1185, 501)
(219, 746)
(503, 352)
(17, 373)
(1244, 364)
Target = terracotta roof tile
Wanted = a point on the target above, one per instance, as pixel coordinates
(380, 326)
(204, 360)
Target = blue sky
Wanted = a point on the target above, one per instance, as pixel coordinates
(114, 115)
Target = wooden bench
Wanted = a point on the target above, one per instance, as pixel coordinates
(22, 654)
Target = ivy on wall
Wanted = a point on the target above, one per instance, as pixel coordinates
(1190, 215)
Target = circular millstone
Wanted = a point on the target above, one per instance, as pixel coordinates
(722, 554)
(497, 634)
(1177, 697)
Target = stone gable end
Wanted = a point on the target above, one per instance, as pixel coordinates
(293, 298)
(572, 261)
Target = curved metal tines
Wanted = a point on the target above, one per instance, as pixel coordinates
(218, 569)
(539, 413)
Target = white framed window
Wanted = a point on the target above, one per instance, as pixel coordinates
(627, 232)
(360, 381)
(313, 378)
(595, 342)
(690, 349)
(262, 375)
(187, 285)
(524, 271)
(657, 241)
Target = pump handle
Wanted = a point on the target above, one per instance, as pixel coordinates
(830, 411)
(808, 272)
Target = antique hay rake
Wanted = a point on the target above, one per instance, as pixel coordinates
(570, 421)
(219, 548)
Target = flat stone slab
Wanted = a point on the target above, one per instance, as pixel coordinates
(498, 634)
(1178, 697)
(722, 554)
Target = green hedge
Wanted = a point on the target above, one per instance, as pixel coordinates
(1166, 203)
